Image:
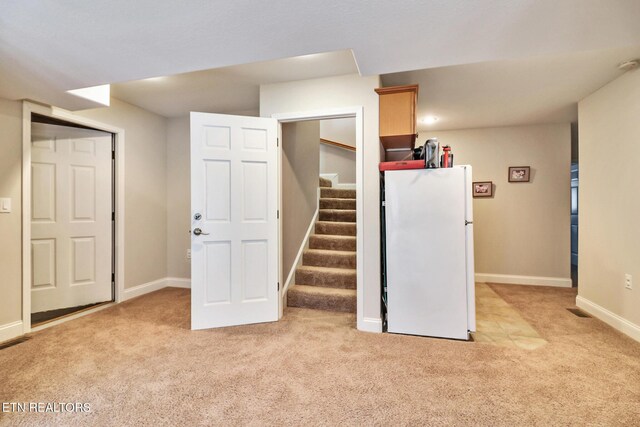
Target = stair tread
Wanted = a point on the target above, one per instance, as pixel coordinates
(330, 252)
(332, 270)
(335, 222)
(333, 236)
(321, 290)
(339, 210)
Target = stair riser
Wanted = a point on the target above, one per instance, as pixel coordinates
(337, 215)
(332, 243)
(336, 229)
(337, 203)
(326, 279)
(336, 193)
(329, 260)
(333, 303)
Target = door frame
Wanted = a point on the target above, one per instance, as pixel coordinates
(68, 116)
(331, 113)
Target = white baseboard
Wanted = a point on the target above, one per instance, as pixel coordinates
(298, 260)
(145, 288)
(559, 282)
(610, 318)
(11, 330)
(178, 282)
(370, 324)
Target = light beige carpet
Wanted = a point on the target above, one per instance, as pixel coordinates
(138, 364)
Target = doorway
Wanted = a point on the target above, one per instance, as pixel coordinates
(318, 218)
(72, 202)
(355, 113)
(71, 218)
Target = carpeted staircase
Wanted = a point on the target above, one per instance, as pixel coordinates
(327, 278)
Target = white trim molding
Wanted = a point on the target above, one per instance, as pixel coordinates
(370, 324)
(145, 288)
(298, 260)
(178, 282)
(610, 318)
(11, 330)
(156, 285)
(558, 282)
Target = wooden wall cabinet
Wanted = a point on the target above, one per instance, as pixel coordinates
(398, 116)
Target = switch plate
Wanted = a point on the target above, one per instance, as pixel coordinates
(5, 205)
(628, 281)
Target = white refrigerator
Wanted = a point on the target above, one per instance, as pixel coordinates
(429, 252)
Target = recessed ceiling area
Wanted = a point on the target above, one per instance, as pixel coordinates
(48, 47)
(507, 93)
(233, 89)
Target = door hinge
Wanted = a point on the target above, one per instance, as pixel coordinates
(113, 277)
(113, 216)
(113, 154)
(277, 142)
(278, 286)
(278, 214)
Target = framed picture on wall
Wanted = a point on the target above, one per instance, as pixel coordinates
(519, 173)
(483, 189)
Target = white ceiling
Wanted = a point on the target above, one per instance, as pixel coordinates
(50, 46)
(233, 89)
(516, 92)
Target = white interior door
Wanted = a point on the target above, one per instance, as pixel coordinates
(234, 240)
(71, 225)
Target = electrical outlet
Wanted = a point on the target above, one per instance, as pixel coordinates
(628, 281)
(188, 253)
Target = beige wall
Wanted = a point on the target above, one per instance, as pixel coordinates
(609, 201)
(300, 173)
(145, 189)
(334, 159)
(178, 197)
(334, 92)
(339, 130)
(524, 230)
(10, 223)
(338, 160)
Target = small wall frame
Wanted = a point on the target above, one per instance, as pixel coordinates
(483, 189)
(519, 173)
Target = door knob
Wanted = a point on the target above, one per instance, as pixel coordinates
(198, 232)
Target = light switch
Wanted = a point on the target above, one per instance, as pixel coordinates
(5, 205)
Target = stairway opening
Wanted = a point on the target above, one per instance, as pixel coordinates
(319, 214)
(326, 280)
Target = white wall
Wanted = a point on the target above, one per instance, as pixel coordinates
(609, 202)
(334, 92)
(10, 223)
(524, 230)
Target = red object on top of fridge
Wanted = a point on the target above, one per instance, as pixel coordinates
(401, 165)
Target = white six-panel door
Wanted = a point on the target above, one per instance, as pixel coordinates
(234, 224)
(71, 226)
